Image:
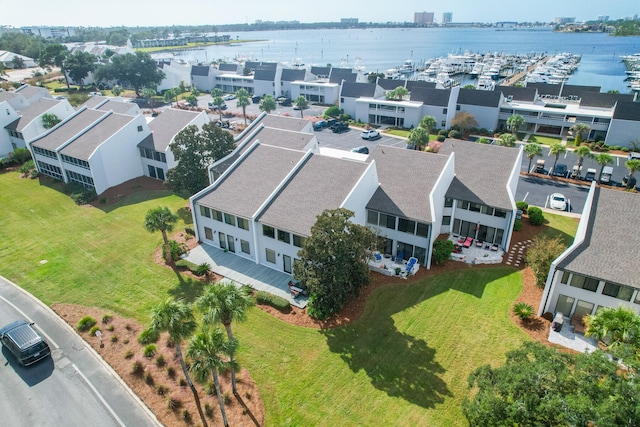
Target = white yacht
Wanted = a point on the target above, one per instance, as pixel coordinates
(444, 80)
(485, 82)
(408, 67)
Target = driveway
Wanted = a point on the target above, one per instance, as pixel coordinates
(74, 387)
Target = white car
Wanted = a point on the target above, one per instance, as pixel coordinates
(370, 134)
(229, 97)
(558, 201)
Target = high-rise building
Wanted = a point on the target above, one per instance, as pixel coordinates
(603, 18)
(423, 18)
(564, 20)
(447, 17)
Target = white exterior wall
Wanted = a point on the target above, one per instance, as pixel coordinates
(7, 115)
(174, 74)
(35, 129)
(361, 193)
(412, 115)
(437, 113)
(116, 159)
(349, 105)
(487, 117)
(263, 87)
(281, 248)
(437, 197)
(622, 132)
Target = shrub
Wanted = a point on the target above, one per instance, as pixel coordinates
(128, 354)
(85, 323)
(137, 368)
(190, 231)
(27, 167)
(110, 328)
(275, 301)
(202, 269)
(177, 249)
(162, 390)
(227, 398)
(210, 388)
(93, 330)
(345, 117)
(442, 251)
(107, 318)
(517, 225)
(522, 205)
(186, 416)
(148, 378)
(174, 402)
(34, 173)
(484, 140)
(160, 362)
(182, 382)
(20, 155)
(114, 338)
(149, 351)
(148, 336)
(79, 194)
(523, 310)
(624, 149)
(125, 341)
(171, 372)
(455, 134)
(536, 218)
(441, 138)
(532, 210)
(443, 132)
(333, 111)
(208, 410)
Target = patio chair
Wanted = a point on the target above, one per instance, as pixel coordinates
(400, 257)
(468, 242)
(378, 257)
(412, 261)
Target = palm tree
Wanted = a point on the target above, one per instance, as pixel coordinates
(614, 326)
(428, 123)
(161, 219)
(603, 159)
(301, 103)
(216, 93)
(580, 129)
(582, 152)
(267, 104)
(633, 166)
(205, 352)
(419, 137)
(507, 140)
(243, 101)
(224, 304)
(176, 318)
(532, 150)
(515, 122)
(148, 94)
(557, 149)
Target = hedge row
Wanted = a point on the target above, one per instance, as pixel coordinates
(275, 301)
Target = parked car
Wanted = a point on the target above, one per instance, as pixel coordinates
(222, 107)
(95, 93)
(229, 97)
(297, 107)
(340, 127)
(332, 122)
(370, 134)
(284, 101)
(629, 181)
(256, 99)
(24, 342)
(591, 175)
(560, 170)
(558, 201)
(320, 124)
(362, 150)
(539, 166)
(605, 178)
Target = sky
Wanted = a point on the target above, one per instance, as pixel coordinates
(131, 13)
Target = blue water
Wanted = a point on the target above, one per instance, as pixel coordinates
(381, 49)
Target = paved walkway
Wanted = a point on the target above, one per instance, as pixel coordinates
(245, 272)
(567, 338)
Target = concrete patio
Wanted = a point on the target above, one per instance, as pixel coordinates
(568, 338)
(245, 272)
(477, 254)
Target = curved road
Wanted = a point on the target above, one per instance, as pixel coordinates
(72, 388)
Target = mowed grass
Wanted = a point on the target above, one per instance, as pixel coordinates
(562, 226)
(404, 362)
(62, 252)
(544, 140)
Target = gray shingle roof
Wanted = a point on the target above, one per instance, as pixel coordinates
(527, 94)
(603, 100)
(416, 84)
(28, 91)
(228, 67)
(283, 122)
(289, 75)
(397, 195)
(6, 95)
(28, 114)
(321, 71)
(437, 97)
(545, 89)
(93, 102)
(265, 74)
(357, 90)
(167, 125)
(120, 107)
(321, 183)
(252, 181)
(200, 70)
(626, 110)
(609, 251)
(390, 84)
(86, 144)
(485, 98)
(71, 127)
(340, 74)
(577, 90)
(482, 172)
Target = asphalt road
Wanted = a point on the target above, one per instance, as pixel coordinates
(71, 388)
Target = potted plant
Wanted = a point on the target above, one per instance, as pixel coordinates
(398, 270)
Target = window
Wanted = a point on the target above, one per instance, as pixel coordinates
(637, 300)
(298, 240)
(284, 236)
(244, 247)
(388, 221)
(446, 220)
(268, 231)
(422, 229)
(501, 213)
(208, 233)
(217, 215)
(243, 223)
(448, 202)
(372, 217)
(230, 219)
(487, 210)
(271, 255)
(205, 211)
(458, 107)
(617, 291)
(406, 226)
(463, 205)
(475, 207)
(444, 111)
(578, 281)
(140, 128)
(565, 277)
(443, 123)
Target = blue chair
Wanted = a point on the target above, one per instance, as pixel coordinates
(400, 256)
(378, 257)
(412, 261)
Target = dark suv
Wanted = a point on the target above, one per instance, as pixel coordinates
(24, 342)
(340, 127)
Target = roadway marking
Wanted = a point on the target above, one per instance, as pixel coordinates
(525, 196)
(24, 315)
(546, 200)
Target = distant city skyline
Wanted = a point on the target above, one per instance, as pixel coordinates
(114, 13)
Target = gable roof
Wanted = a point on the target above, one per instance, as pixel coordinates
(608, 251)
(527, 94)
(28, 114)
(291, 75)
(200, 70)
(253, 180)
(545, 89)
(416, 84)
(484, 98)
(435, 97)
(390, 84)
(603, 100)
(28, 91)
(228, 67)
(284, 122)
(265, 74)
(69, 129)
(357, 90)
(93, 101)
(6, 95)
(397, 196)
(120, 107)
(482, 172)
(83, 146)
(166, 126)
(577, 90)
(626, 110)
(321, 71)
(340, 74)
(320, 183)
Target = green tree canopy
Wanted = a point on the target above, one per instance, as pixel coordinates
(618, 328)
(49, 120)
(267, 104)
(464, 121)
(532, 150)
(507, 140)
(540, 386)
(118, 37)
(428, 123)
(333, 261)
(541, 254)
(419, 137)
(333, 111)
(195, 150)
(134, 70)
(397, 94)
(243, 101)
(580, 129)
(603, 159)
(79, 65)
(515, 122)
(557, 149)
(161, 219)
(633, 166)
(301, 103)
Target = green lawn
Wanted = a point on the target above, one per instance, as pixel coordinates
(544, 140)
(404, 362)
(560, 225)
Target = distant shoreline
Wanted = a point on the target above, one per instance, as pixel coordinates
(192, 46)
